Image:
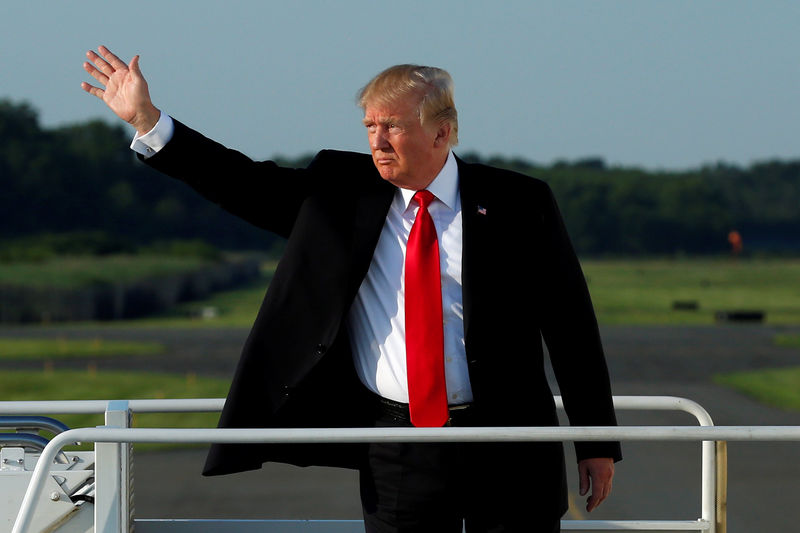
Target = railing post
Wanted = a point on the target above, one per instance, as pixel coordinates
(113, 494)
(709, 484)
(722, 486)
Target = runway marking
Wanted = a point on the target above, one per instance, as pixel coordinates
(574, 509)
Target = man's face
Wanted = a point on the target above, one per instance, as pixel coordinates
(405, 152)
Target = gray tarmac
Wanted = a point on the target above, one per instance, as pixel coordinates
(654, 481)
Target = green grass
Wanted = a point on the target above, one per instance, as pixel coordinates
(67, 272)
(92, 385)
(643, 291)
(624, 292)
(234, 308)
(16, 348)
(778, 387)
(788, 341)
(629, 292)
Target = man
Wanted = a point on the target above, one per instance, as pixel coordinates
(414, 290)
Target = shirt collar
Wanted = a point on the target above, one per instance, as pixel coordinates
(444, 186)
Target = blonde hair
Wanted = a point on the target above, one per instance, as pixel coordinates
(433, 86)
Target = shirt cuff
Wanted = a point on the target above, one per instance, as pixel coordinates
(154, 140)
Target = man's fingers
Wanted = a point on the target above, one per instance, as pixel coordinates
(598, 474)
(596, 498)
(99, 64)
(115, 62)
(106, 62)
(592, 503)
(584, 481)
(600, 491)
(95, 73)
(91, 89)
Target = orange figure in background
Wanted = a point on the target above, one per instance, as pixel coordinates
(736, 242)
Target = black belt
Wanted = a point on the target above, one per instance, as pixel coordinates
(460, 415)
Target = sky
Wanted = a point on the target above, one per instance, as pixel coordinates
(652, 83)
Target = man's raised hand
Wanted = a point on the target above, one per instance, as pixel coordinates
(122, 88)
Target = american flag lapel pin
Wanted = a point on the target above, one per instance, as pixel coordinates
(481, 210)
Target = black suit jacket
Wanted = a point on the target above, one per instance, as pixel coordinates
(521, 283)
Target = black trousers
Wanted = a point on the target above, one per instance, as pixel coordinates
(449, 487)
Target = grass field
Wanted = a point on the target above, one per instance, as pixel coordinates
(644, 291)
(789, 341)
(27, 348)
(629, 291)
(74, 272)
(624, 292)
(234, 308)
(775, 387)
(89, 385)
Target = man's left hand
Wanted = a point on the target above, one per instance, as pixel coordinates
(596, 472)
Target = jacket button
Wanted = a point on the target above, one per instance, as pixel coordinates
(319, 349)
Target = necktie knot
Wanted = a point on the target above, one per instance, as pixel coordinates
(424, 198)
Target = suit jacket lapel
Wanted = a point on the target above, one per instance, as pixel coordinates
(369, 211)
(475, 224)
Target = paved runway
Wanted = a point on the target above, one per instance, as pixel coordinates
(655, 481)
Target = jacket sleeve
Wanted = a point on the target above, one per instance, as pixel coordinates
(570, 330)
(262, 193)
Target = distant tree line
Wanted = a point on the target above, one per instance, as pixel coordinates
(83, 178)
(631, 211)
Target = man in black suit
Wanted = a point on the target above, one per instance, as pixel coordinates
(354, 331)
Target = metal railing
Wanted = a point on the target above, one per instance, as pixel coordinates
(706, 433)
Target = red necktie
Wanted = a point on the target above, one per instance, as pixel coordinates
(427, 393)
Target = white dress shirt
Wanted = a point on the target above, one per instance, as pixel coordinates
(155, 139)
(376, 322)
(377, 318)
